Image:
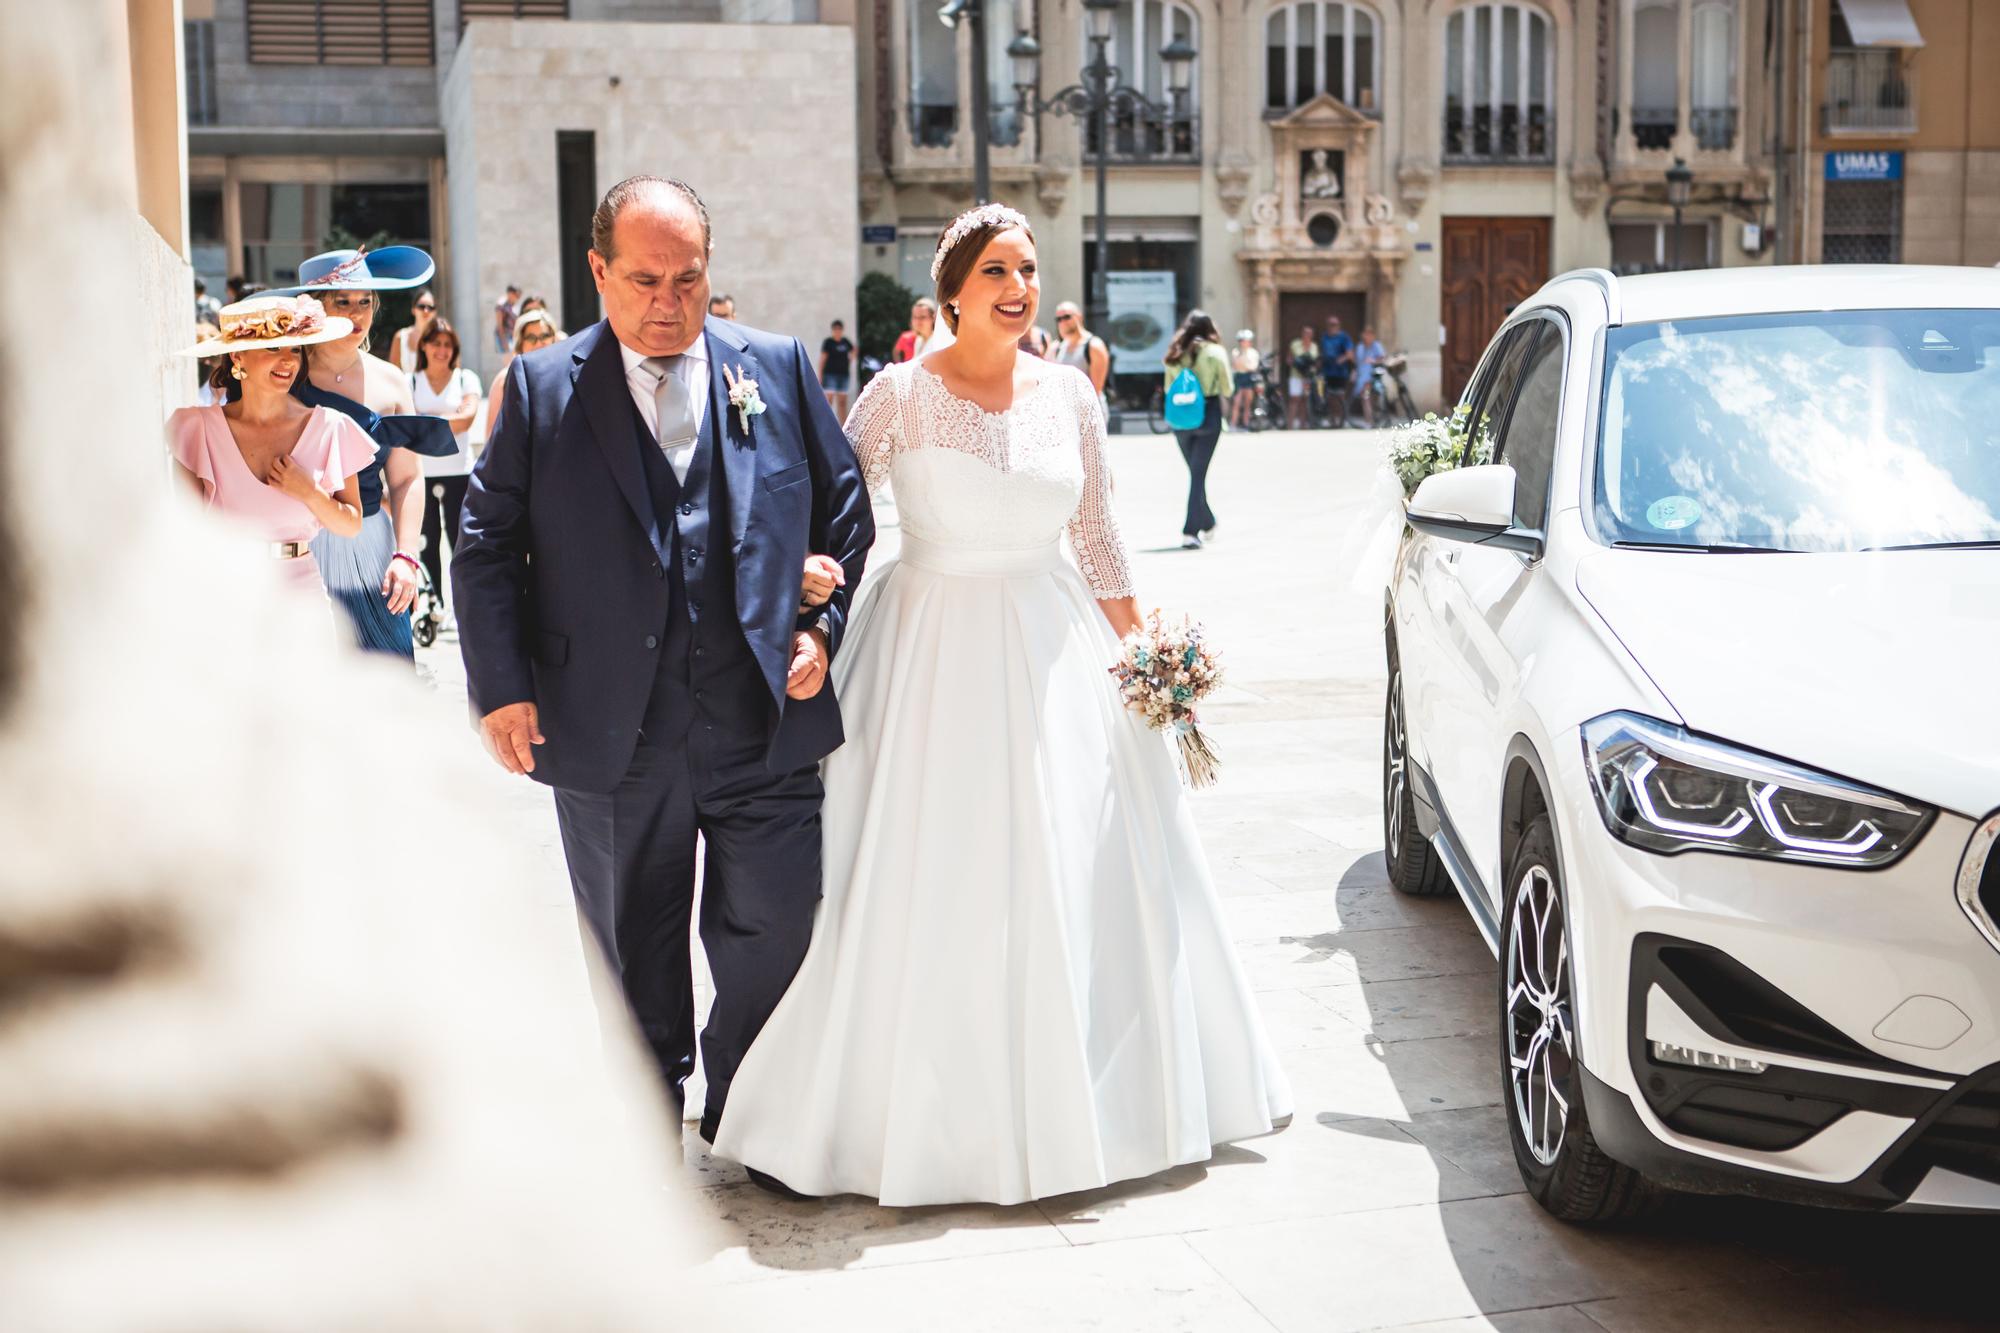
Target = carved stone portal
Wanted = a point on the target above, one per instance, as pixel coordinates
(1326, 226)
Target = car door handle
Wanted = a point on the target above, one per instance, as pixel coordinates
(1449, 555)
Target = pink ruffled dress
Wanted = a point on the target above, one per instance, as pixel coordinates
(332, 448)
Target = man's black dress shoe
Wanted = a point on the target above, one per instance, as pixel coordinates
(772, 1185)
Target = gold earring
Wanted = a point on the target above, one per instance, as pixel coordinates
(236, 370)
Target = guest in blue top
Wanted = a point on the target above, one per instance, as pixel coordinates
(374, 578)
(1336, 364)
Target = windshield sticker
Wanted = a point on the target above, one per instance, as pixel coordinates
(1674, 513)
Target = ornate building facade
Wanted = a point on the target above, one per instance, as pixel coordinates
(1414, 165)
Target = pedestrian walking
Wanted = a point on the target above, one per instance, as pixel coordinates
(533, 331)
(403, 351)
(286, 470)
(722, 306)
(836, 368)
(1301, 376)
(373, 577)
(505, 311)
(1197, 347)
(444, 388)
(1077, 346)
(1247, 363)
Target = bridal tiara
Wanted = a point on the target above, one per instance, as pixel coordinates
(986, 215)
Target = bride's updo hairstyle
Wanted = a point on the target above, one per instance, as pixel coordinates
(960, 247)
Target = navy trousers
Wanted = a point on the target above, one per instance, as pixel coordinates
(631, 862)
(1198, 448)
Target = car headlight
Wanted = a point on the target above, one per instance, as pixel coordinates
(1661, 788)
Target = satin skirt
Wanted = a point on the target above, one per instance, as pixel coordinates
(352, 569)
(1020, 983)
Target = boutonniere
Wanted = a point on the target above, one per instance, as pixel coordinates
(743, 396)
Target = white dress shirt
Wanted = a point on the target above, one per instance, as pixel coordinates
(694, 373)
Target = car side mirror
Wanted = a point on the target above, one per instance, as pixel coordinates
(1472, 504)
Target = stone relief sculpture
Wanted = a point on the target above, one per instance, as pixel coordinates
(1320, 181)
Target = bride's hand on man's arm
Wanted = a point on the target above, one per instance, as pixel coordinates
(823, 574)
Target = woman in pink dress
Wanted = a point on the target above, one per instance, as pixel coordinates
(284, 469)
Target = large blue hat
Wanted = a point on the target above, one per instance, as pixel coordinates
(391, 268)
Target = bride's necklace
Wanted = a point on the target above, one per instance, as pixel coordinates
(340, 376)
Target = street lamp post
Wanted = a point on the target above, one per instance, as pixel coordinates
(974, 11)
(1680, 184)
(1098, 92)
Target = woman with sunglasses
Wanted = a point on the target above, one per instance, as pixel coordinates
(406, 348)
(373, 577)
(532, 332)
(1077, 346)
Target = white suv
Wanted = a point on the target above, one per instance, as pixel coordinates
(1692, 698)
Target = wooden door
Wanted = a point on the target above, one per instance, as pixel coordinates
(1298, 309)
(1491, 265)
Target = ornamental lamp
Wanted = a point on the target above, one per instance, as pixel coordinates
(1026, 54)
(955, 9)
(1680, 184)
(1179, 58)
(1101, 15)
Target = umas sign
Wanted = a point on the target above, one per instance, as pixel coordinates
(1864, 166)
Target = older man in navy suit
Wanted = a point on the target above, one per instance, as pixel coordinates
(628, 593)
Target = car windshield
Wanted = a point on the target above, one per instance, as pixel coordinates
(1817, 431)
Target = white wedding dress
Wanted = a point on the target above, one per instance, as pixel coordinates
(1020, 983)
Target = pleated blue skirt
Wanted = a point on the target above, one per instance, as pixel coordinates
(352, 568)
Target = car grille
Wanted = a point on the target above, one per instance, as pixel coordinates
(1979, 880)
(1962, 1135)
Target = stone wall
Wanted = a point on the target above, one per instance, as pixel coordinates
(760, 119)
(1951, 208)
(316, 96)
(165, 294)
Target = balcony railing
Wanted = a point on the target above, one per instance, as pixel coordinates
(1654, 127)
(1714, 128)
(1167, 139)
(1522, 134)
(1868, 92)
(932, 124)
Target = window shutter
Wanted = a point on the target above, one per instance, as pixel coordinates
(340, 32)
(510, 9)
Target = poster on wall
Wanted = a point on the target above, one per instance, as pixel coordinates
(1142, 320)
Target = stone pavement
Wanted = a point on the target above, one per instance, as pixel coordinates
(1391, 1201)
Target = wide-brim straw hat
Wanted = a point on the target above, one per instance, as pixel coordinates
(392, 268)
(271, 321)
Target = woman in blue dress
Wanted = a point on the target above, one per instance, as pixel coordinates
(374, 578)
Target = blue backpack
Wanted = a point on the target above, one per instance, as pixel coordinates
(1185, 408)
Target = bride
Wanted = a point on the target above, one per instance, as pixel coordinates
(1019, 982)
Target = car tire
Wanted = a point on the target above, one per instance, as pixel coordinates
(1412, 861)
(1540, 1073)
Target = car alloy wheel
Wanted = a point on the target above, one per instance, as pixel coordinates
(1541, 1034)
(1411, 860)
(1547, 1120)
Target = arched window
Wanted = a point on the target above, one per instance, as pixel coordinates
(1499, 84)
(1140, 31)
(1656, 72)
(1712, 93)
(1322, 46)
(933, 78)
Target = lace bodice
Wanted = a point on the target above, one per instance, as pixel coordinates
(1019, 478)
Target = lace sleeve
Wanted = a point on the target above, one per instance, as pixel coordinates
(1093, 532)
(874, 426)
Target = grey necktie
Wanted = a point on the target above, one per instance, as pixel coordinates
(672, 406)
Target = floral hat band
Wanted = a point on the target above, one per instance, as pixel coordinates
(272, 321)
(986, 215)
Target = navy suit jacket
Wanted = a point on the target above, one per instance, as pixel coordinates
(558, 571)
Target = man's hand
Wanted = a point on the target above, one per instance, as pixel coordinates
(509, 733)
(823, 575)
(400, 586)
(810, 657)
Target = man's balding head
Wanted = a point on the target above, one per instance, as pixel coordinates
(649, 251)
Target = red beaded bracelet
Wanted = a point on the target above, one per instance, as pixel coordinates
(406, 556)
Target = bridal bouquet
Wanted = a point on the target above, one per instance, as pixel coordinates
(1165, 669)
(1438, 444)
